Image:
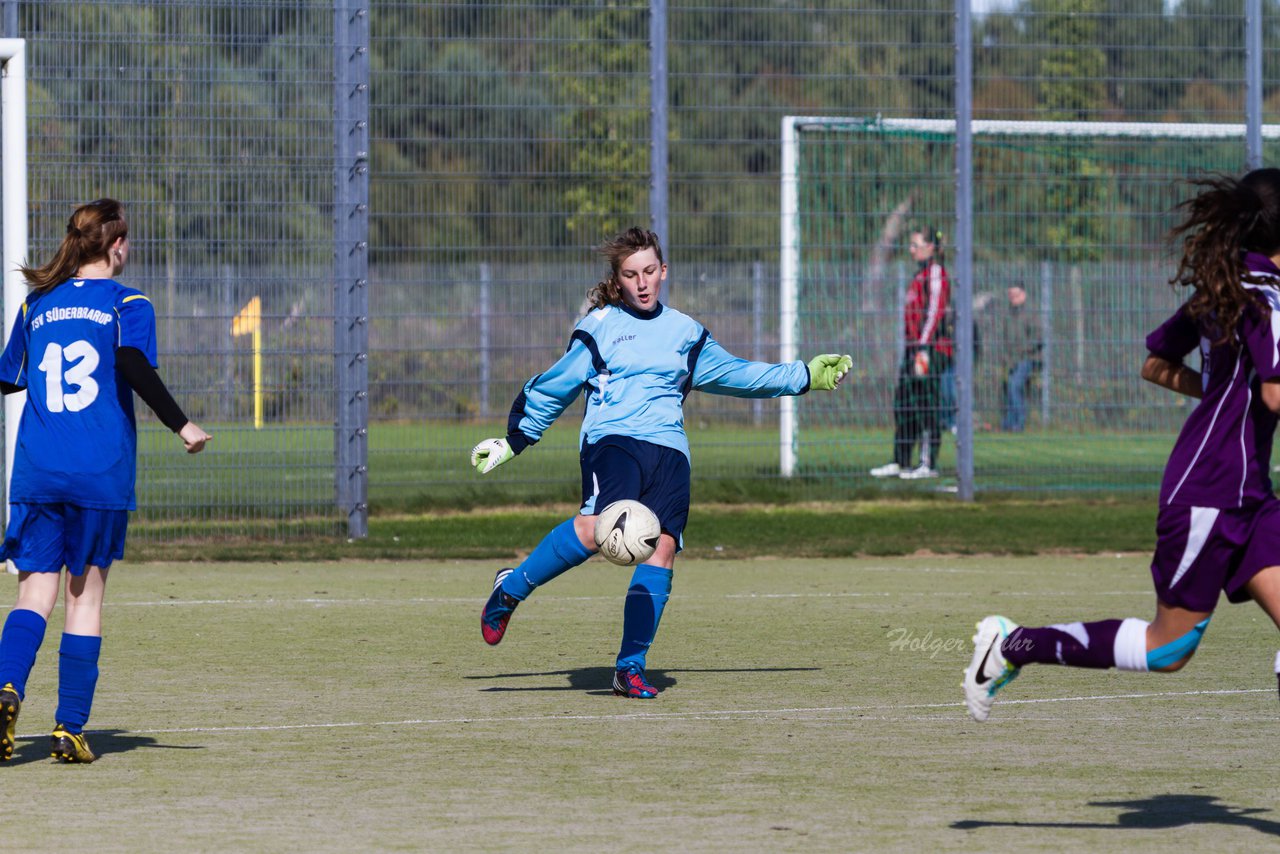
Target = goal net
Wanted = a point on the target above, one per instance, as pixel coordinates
(1075, 212)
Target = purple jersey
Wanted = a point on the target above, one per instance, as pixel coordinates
(1223, 455)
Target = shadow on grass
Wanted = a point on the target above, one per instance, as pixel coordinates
(102, 742)
(599, 680)
(1161, 812)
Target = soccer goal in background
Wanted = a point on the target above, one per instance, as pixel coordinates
(1076, 212)
(13, 209)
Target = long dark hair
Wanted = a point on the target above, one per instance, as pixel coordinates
(618, 249)
(91, 231)
(1228, 217)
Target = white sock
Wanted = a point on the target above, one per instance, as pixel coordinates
(1131, 645)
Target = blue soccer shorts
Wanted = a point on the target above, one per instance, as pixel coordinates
(619, 467)
(47, 537)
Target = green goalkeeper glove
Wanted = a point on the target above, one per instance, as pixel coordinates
(826, 371)
(490, 454)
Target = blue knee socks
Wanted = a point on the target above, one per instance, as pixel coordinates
(558, 552)
(77, 668)
(647, 596)
(77, 679)
(19, 643)
(650, 588)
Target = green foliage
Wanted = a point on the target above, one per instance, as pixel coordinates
(605, 129)
(1081, 203)
(544, 108)
(1072, 68)
(168, 114)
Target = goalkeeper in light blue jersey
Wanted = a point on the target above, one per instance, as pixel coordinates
(81, 345)
(636, 360)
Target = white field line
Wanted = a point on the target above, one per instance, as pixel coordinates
(454, 600)
(665, 716)
(935, 593)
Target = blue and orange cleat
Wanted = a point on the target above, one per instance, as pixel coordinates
(630, 682)
(497, 611)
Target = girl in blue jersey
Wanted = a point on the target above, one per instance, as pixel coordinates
(637, 360)
(81, 346)
(1218, 525)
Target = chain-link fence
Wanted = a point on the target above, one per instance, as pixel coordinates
(507, 139)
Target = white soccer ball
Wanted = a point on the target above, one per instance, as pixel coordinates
(627, 532)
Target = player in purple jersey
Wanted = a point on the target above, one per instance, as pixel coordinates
(81, 346)
(1218, 526)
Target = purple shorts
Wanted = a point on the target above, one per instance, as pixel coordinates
(1203, 551)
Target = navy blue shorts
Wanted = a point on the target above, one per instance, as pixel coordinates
(619, 467)
(47, 537)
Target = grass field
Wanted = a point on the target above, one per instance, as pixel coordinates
(721, 532)
(285, 472)
(807, 705)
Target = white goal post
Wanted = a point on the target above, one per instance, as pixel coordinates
(793, 128)
(13, 208)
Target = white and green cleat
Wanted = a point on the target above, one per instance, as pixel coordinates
(988, 672)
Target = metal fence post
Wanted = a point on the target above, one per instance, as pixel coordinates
(962, 285)
(1046, 341)
(658, 205)
(757, 330)
(485, 308)
(1253, 82)
(351, 261)
(226, 408)
(900, 281)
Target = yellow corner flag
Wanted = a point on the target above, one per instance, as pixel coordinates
(249, 319)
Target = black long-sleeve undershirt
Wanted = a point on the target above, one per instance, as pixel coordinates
(143, 379)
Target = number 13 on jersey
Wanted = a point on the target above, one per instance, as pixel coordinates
(80, 360)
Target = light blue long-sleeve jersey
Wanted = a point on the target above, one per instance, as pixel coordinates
(636, 370)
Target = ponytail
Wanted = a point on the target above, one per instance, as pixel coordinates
(934, 234)
(91, 232)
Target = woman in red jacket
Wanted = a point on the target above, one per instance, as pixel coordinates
(917, 404)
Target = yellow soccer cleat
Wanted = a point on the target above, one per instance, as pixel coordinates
(70, 746)
(10, 703)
